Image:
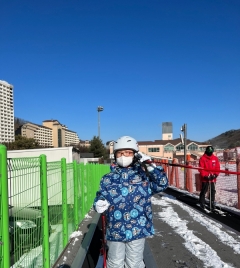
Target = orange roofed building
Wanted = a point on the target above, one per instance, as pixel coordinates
(168, 148)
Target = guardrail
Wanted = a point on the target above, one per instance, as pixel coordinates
(227, 185)
(42, 203)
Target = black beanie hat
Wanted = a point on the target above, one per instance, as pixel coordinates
(209, 150)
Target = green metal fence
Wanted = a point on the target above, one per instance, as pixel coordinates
(41, 204)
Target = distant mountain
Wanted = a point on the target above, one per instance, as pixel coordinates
(227, 140)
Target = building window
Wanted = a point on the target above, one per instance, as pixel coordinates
(59, 137)
(169, 148)
(157, 149)
(180, 147)
(193, 147)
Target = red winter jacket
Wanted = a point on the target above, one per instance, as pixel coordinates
(209, 162)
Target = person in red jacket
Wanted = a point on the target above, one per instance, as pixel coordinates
(208, 161)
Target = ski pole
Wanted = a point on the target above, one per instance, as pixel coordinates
(210, 195)
(104, 246)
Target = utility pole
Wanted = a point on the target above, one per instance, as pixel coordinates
(184, 130)
(99, 109)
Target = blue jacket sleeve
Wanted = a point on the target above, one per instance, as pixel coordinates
(102, 193)
(158, 180)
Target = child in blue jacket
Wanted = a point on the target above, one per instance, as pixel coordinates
(125, 194)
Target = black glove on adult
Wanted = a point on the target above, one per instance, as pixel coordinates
(209, 177)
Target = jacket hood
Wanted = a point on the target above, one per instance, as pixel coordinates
(209, 156)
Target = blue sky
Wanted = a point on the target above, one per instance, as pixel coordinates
(145, 62)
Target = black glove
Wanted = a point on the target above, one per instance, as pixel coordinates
(209, 177)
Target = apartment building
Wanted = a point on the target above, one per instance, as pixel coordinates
(6, 112)
(40, 133)
(71, 137)
(51, 134)
(58, 132)
(62, 136)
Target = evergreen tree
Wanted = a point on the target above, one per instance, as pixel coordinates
(18, 122)
(22, 143)
(97, 148)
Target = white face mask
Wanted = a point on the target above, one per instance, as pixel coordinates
(124, 161)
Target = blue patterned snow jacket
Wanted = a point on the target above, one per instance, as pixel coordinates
(129, 191)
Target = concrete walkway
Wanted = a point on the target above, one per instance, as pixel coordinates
(168, 246)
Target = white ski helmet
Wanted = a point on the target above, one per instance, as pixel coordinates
(125, 142)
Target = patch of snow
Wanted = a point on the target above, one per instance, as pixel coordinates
(75, 234)
(87, 216)
(195, 245)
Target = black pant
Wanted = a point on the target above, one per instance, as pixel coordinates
(204, 190)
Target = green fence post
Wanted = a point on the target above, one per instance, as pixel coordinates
(92, 182)
(44, 208)
(4, 239)
(96, 181)
(83, 178)
(89, 187)
(64, 201)
(87, 183)
(79, 192)
(75, 183)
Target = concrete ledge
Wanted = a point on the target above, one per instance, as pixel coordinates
(82, 256)
(83, 252)
(76, 250)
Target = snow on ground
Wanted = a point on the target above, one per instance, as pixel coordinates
(196, 246)
(226, 186)
(195, 195)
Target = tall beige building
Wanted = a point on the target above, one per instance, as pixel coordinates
(58, 132)
(51, 134)
(6, 112)
(71, 137)
(40, 133)
(62, 136)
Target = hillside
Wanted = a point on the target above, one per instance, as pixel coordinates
(227, 140)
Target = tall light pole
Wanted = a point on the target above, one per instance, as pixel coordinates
(184, 130)
(99, 109)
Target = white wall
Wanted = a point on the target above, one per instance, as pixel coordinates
(20, 193)
(53, 154)
(87, 160)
